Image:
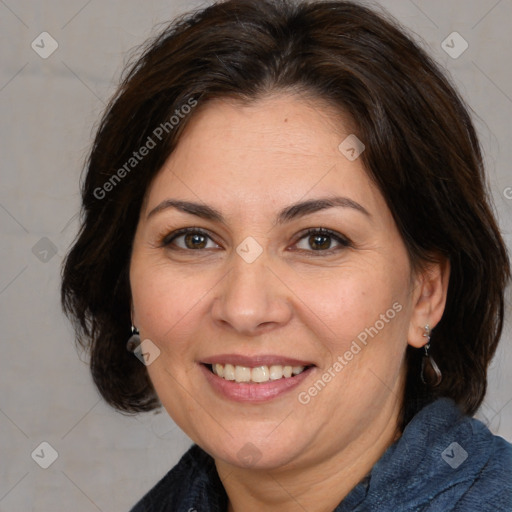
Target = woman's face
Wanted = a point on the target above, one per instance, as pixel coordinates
(262, 251)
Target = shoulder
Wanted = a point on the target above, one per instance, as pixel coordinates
(445, 461)
(470, 467)
(192, 481)
(487, 479)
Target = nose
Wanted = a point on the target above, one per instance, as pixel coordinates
(251, 299)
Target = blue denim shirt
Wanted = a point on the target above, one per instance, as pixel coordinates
(443, 462)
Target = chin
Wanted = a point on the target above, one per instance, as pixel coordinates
(254, 452)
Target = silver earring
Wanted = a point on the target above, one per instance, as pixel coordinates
(134, 340)
(430, 372)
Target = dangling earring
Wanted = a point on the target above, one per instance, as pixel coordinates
(430, 372)
(133, 341)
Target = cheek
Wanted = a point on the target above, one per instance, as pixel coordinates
(164, 301)
(352, 301)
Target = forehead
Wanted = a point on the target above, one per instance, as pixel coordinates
(277, 149)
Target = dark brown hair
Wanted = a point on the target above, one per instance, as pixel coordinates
(421, 151)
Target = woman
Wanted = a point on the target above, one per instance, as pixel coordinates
(286, 203)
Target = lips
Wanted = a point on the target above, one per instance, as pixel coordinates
(256, 378)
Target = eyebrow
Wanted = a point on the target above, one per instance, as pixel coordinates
(315, 205)
(288, 214)
(197, 209)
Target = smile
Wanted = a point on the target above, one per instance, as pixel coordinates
(255, 379)
(258, 374)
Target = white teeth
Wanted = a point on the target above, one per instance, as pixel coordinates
(229, 371)
(260, 374)
(276, 372)
(257, 374)
(242, 374)
(218, 369)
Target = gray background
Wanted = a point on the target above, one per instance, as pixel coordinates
(106, 461)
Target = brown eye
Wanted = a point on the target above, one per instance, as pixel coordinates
(319, 242)
(189, 239)
(195, 241)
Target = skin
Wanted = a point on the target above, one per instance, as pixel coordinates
(250, 161)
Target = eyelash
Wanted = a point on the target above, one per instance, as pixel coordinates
(341, 240)
(167, 240)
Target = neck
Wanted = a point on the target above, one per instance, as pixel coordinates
(317, 485)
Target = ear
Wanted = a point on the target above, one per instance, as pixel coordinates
(429, 299)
